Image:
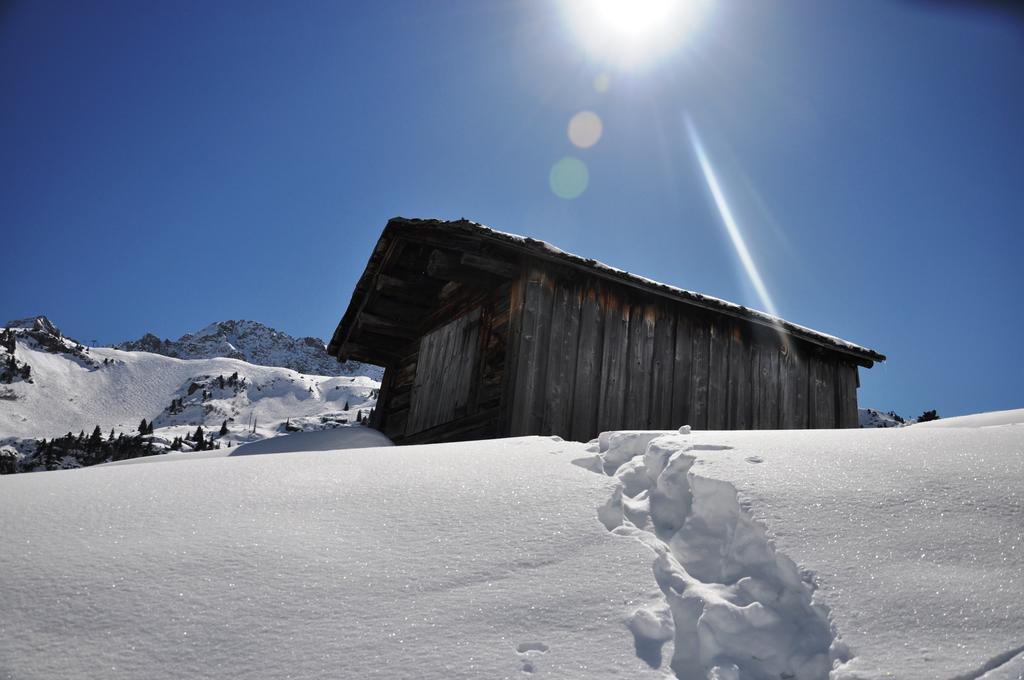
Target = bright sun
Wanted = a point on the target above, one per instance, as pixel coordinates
(631, 33)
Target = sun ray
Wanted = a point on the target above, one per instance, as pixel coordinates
(728, 220)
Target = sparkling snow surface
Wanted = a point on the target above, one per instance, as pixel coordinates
(1011, 417)
(916, 537)
(505, 559)
(476, 560)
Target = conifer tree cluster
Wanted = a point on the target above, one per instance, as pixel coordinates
(7, 340)
(82, 450)
(10, 368)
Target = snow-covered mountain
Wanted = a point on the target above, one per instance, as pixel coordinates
(869, 417)
(253, 342)
(52, 385)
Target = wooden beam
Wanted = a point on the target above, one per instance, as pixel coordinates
(397, 310)
(369, 354)
(490, 265)
(383, 326)
(404, 283)
(447, 267)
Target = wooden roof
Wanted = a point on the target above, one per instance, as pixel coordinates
(417, 262)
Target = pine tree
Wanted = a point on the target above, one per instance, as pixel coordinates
(198, 434)
(111, 437)
(143, 426)
(96, 440)
(220, 381)
(346, 407)
(224, 428)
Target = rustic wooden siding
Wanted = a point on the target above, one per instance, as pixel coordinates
(586, 356)
(448, 384)
(447, 360)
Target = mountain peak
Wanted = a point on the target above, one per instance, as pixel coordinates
(256, 343)
(36, 323)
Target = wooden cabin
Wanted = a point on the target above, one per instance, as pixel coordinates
(485, 334)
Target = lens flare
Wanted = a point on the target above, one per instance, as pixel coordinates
(585, 129)
(569, 178)
(725, 212)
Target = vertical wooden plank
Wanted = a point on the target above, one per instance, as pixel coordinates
(846, 393)
(823, 409)
(531, 367)
(801, 413)
(379, 420)
(789, 388)
(587, 388)
(419, 380)
(764, 402)
(682, 369)
(640, 353)
(699, 373)
(739, 397)
(613, 361)
(772, 388)
(718, 373)
(661, 374)
(476, 376)
(562, 348)
(464, 363)
(511, 371)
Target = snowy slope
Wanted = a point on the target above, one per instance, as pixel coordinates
(116, 389)
(915, 535)
(339, 439)
(255, 343)
(849, 554)
(476, 560)
(991, 419)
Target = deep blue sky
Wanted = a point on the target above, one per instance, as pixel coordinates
(167, 164)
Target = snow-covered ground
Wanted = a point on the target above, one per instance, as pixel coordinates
(338, 439)
(991, 419)
(849, 554)
(476, 560)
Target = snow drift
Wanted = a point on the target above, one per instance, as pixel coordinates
(844, 554)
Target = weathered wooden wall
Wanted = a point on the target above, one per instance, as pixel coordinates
(586, 355)
(448, 383)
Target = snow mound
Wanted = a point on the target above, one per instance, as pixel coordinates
(857, 554)
(990, 419)
(322, 440)
(455, 561)
(734, 607)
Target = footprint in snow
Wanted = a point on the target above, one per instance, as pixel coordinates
(528, 652)
(754, 459)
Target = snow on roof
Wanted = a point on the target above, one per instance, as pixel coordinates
(549, 251)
